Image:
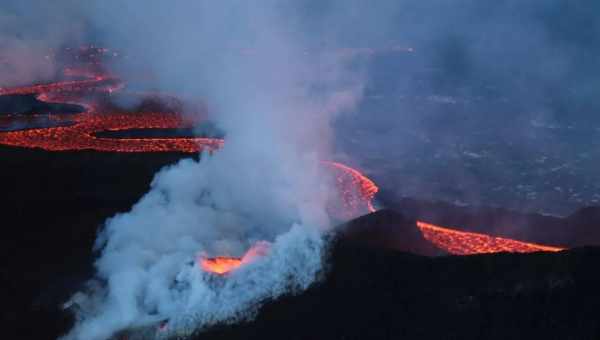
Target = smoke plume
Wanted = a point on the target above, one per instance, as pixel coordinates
(275, 99)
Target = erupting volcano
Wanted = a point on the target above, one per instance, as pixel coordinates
(81, 131)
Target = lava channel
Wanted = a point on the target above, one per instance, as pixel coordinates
(468, 243)
(356, 190)
(80, 134)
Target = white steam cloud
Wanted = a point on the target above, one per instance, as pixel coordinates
(275, 101)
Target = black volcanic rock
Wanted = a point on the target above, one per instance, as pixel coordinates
(388, 229)
(53, 203)
(372, 293)
(28, 104)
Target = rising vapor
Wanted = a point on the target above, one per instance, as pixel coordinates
(275, 103)
(274, 76)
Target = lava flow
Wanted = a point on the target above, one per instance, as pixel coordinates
(467, 243)
(81, 132)
(356, 189)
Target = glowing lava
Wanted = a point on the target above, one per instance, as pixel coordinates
(220, 264)
(80, 132)
(468, 243)
(81, 135)
(97, 83)
(225, 264)
(356, 189)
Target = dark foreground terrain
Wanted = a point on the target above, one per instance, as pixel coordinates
(53, 203)
(376, 294)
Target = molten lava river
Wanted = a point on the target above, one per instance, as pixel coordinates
(467, 243)
(80, 133)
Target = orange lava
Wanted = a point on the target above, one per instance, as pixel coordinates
(220, 265)
(356, 189)
(81, 134)
(95, 84)
(468, 243)
(225, 264)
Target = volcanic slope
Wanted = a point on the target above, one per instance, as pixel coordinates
(376, 293)
(581, 228)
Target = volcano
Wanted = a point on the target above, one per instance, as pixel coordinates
(87, 128)
(384, 278)
(92, 130)
(392, 273)
(390, 282)
(373, 293)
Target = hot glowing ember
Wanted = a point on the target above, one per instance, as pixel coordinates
(224, 264)
(467, 243)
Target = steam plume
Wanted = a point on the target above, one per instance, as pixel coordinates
(508, 71)
(275, 104)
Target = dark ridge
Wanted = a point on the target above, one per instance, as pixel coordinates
(28, 104)
(54, 202)
(388, 229)
(205, 130)
(148, 133)
(580, 229)
(139, 102)
(376, 292)
(52, 205)
(372, 293)
(20, 125)
(585, 215)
